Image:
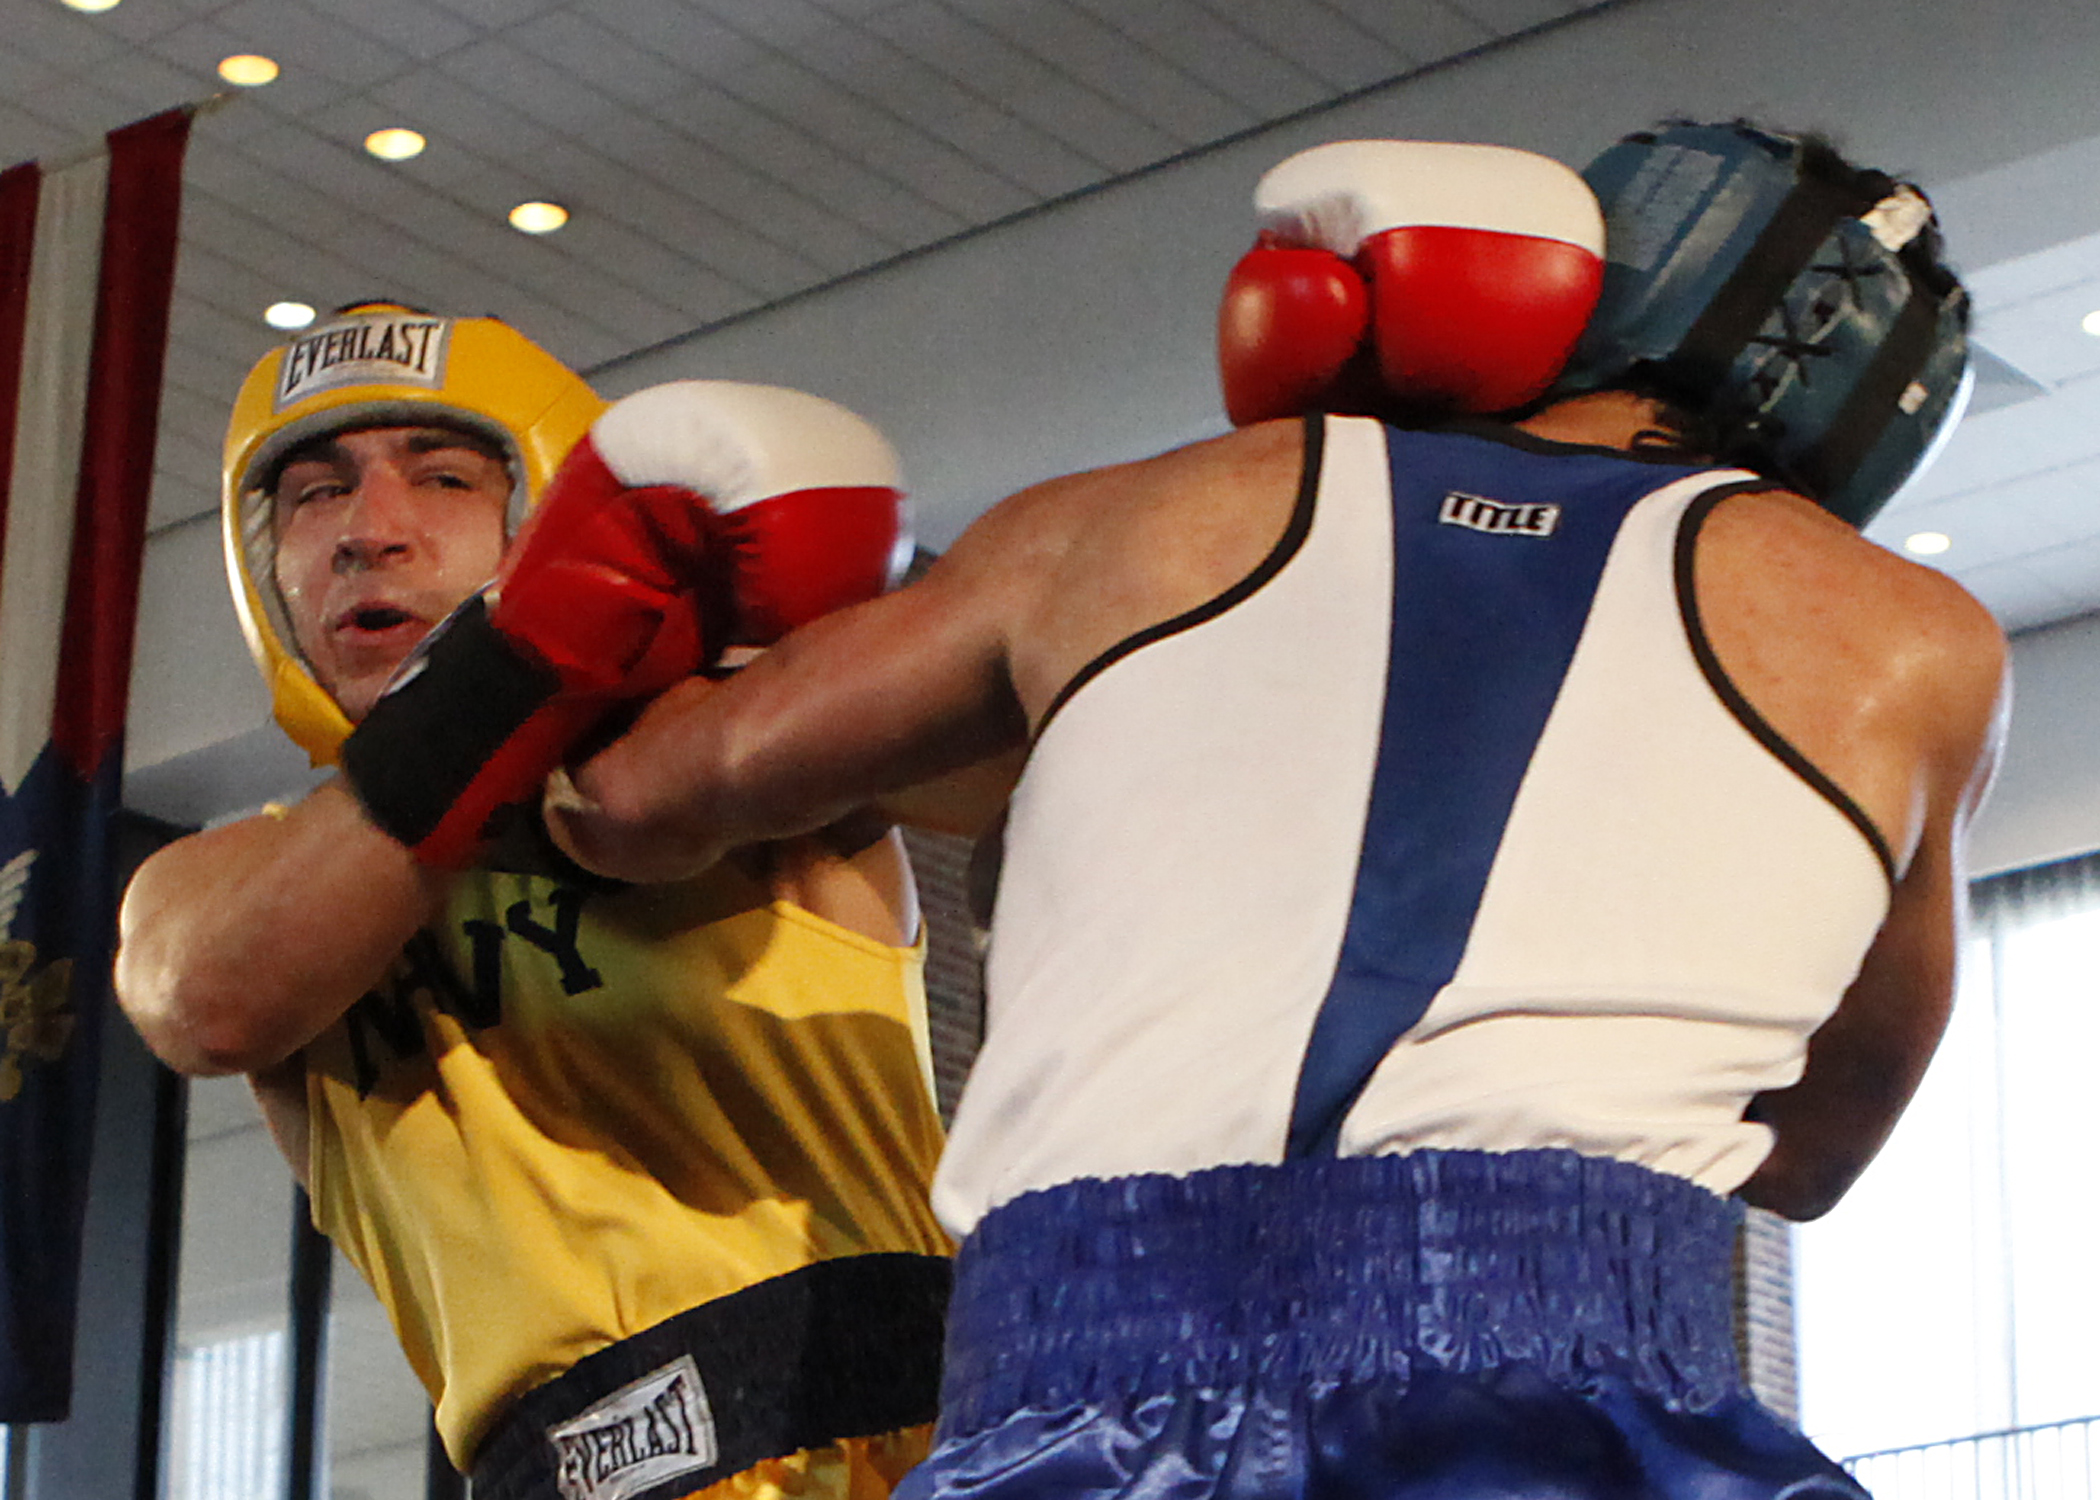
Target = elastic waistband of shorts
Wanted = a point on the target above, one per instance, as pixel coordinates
(844, 1348)
(1344, 1269)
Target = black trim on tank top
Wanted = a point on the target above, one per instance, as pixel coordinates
(1732, 697)
(1287, 545)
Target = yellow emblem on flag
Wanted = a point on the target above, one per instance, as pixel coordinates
(35, 1012)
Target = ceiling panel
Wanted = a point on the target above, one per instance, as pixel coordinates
(1340, 54)
(790, 189)
(792, 26)
(79, 110)
(1102, 58)
(684, 36)
(1421, 33)
(310, 39)
(1098, 127)
(454, 114)
(499, 13)
(1207, 47)
(1505, 16)
(944, 109)
(411, 28)
(2041, 335)
(580, 45)
(60, 41)
(141, 79)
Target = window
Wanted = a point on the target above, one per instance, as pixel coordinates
(1951, 1294)
(377, 1427)
(226, 1436)
(226, 1433)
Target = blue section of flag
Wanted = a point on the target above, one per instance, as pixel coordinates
(1485, 623)
(54, 960)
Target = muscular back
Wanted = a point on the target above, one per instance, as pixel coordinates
(1882, 673)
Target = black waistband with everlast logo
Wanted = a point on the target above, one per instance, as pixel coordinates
(844, 1348)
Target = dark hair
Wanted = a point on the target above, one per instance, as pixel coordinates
(1680, 430)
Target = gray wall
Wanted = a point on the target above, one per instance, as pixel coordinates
(2046, 804)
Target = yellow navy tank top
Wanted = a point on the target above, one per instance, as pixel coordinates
(572, 1112)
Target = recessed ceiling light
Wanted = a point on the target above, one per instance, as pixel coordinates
(1927, 543)
(394, 144)
(538, 218)
(248, 70)
(2092, 323)
(91, 5)
(288, 315)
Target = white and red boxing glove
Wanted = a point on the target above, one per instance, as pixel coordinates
(803, 499)
(692, 516)
(1444, 277)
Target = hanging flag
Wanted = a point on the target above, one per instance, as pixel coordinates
(87, 262)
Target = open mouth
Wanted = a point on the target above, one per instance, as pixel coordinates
(374, 617)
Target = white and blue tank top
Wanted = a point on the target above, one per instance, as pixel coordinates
(1443, 828)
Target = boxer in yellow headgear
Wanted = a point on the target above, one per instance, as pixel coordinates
(639, 1172)
(384, 366)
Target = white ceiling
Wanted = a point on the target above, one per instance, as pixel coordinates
(2018, 486)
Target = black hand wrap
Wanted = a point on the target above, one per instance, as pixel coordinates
(437, 728)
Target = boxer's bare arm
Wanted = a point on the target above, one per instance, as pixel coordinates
(872, 700)
(240, 944)
(1927, 666)
(950, 672)
(280, 1092)
(854, 874)
(964, 803)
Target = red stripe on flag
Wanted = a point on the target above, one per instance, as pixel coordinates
(139, 230)
(18, 196)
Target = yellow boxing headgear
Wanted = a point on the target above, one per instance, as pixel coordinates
(377, 365)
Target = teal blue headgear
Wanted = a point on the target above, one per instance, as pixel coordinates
(1797, 307)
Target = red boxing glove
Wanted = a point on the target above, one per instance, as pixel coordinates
(1477, 266)
(804, 506)
(692, 516)
(1290, 333)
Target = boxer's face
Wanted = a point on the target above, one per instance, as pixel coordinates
(380, 533)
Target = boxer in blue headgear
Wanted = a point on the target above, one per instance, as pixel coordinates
(1456, 864)
(1795, 305)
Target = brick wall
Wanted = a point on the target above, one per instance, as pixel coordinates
(954, 973)
(1764, 1304)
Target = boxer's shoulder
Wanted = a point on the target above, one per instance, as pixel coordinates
(1788, 551)
(1835, 635)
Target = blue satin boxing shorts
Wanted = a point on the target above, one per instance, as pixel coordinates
(1535, 1325)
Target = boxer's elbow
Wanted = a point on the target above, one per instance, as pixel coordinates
(1818, 1150)
(1797, 1190)
(192, 1017)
